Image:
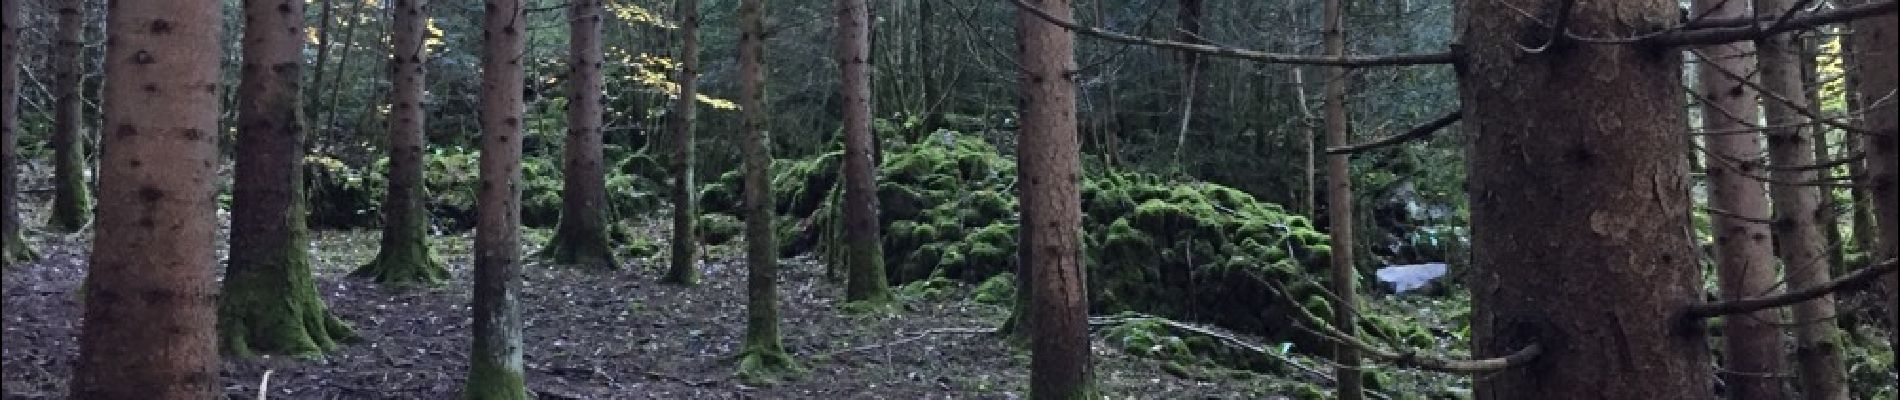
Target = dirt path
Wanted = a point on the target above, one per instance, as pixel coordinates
(616, 335)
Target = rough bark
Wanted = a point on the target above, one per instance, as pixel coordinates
(1744, 251)
(72, 205)
(762, 356)
(1580, 214)
(1048, 153)
(150, 296)
(1875, 40)
(269, 303)
(404, 256)
(15, 246)
(1349, 384)
(864, 249)
(581, 237)
(1821, 373)
(685, 246)
(495, 366)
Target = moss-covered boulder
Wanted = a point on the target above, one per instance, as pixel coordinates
(718, 228)
(1186, 250)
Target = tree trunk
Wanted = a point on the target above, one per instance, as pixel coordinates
(1350, 384)
(16, 248)
(150, 329)
(1048, 154)
(404, 256)
(1580, 227)
(685, 248)
(72, 206)
(581, 238)
(1862, 220)
(495, 369)
(864, 247)
(762, 357)
(934, 99)
(1876, 38)
(1821, 372)
(1744, 251)
(270, 303)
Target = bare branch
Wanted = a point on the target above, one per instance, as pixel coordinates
(1242, 54)
(1409, 357)
(1230, 339)
(1727, 31)
(1415, 133)
(1853, 281)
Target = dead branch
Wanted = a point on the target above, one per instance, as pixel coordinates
(1419, 132)
(1853, 281)
(1238, 53)
(1409, 357)
(1762, 27)
(1770, 94)
(907, 339)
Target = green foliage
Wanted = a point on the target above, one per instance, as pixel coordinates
(999, 290)
(717, 228)
(933, 289)
(345, 196)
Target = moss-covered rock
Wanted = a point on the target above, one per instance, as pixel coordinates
(718, 228)
(1184, 250)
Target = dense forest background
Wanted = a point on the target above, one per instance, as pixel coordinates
(1206, 225)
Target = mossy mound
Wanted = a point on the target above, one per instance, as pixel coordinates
(345, 196)
(1186, 250)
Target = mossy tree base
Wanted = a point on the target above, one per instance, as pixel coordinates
(766, 364)
(17, 250)
(265, 310)
(581, 250)
(489, 380)
(400, 265)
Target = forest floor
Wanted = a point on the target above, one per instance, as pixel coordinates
(603, 335)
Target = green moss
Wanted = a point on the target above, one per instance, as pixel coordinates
(999, 290)
(766, 365)
(17, 250)
(716, 229)
(490, 379)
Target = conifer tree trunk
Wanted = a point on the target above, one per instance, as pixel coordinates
(762, 356)
(581, 238)
(269, 302)
(404, 256)
(15, 246)
(1349, 384)
(495, 366)
(685, 247)
(1580, 224)
(1048, 155)
(1744, 249)
(1821, 373)
(1876, 39)
(72, 205)
(150, 324)
(864, 246)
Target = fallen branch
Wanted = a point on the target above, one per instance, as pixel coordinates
(909, 338)
(1415, 133)
(1852, 281)
(263, 385)
(1230, 339)
(1242, 54)
(1409, 357)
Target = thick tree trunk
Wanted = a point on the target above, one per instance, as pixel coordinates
(1048, 153)
(404, 256)
(72, 206)
(15, 246)
(495, 369)
(1822, 374)
(762, 356)
(1744, 251)
(150, 327)
(581, 238)
(1349, 384)
(270, 303)
(1876, 39)
(685, 246)
(864, 244)
(1579, 205)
